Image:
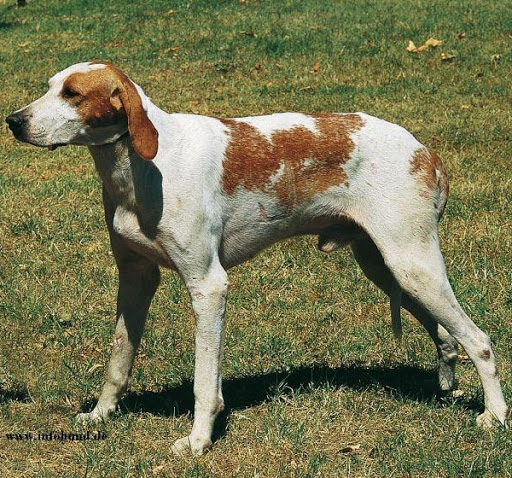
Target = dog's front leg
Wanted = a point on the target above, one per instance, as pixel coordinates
(208, 295)
(138, 281)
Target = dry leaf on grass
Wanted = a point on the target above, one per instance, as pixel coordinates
(430, 43)
(448, 56)
(350, 448)
(460, 36)
(316, 67)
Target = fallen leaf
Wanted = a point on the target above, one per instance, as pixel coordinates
(350, 448)
(448, 56)
(430, 43)
(460, 36)
(316, 67)
(411, 47)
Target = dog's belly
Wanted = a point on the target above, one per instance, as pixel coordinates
(255, 221)
(127, 226)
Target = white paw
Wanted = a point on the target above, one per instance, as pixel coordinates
(487, 420)
(446, 374)
(90, 418)
(186, 445)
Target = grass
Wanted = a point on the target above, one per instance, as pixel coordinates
(315, 383)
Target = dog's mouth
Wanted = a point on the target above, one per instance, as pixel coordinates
(21, 136)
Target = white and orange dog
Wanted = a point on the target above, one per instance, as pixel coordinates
(200, 195)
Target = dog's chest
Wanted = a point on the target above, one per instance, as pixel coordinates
(138, 237)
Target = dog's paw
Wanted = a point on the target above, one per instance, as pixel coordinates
(90, 418)
(488, 420)
(186, 445)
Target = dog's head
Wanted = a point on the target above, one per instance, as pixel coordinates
(89, 104)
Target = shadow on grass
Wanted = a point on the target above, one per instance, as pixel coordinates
(13, 396)
(409, 383)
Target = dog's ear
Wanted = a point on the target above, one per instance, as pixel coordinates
(142, 131)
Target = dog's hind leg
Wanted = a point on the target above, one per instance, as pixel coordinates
(415, 261)
(372, 264)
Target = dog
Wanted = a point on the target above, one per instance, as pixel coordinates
(200, 195)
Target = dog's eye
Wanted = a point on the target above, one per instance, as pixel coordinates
(68, 92)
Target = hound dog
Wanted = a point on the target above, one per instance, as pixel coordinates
(199, 195)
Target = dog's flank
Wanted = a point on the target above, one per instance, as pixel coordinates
(200, 195)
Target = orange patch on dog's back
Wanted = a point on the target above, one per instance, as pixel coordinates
(294, 164)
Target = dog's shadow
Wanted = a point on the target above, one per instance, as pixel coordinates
(404, 382)
(20, 395)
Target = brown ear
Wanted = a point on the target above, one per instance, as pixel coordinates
(142, 131)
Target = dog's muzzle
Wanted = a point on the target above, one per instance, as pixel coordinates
(15, 122)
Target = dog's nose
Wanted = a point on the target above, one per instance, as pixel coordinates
(14, 121)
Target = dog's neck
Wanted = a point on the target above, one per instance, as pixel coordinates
(117, 164)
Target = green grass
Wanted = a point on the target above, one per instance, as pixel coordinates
(311, 367)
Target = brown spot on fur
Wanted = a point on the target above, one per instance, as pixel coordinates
(293, 164)
(106, 96)
(90, 93)
(429, 169)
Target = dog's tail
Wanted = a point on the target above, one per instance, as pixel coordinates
(441, 182)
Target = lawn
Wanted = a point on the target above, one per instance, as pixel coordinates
(314, 382)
